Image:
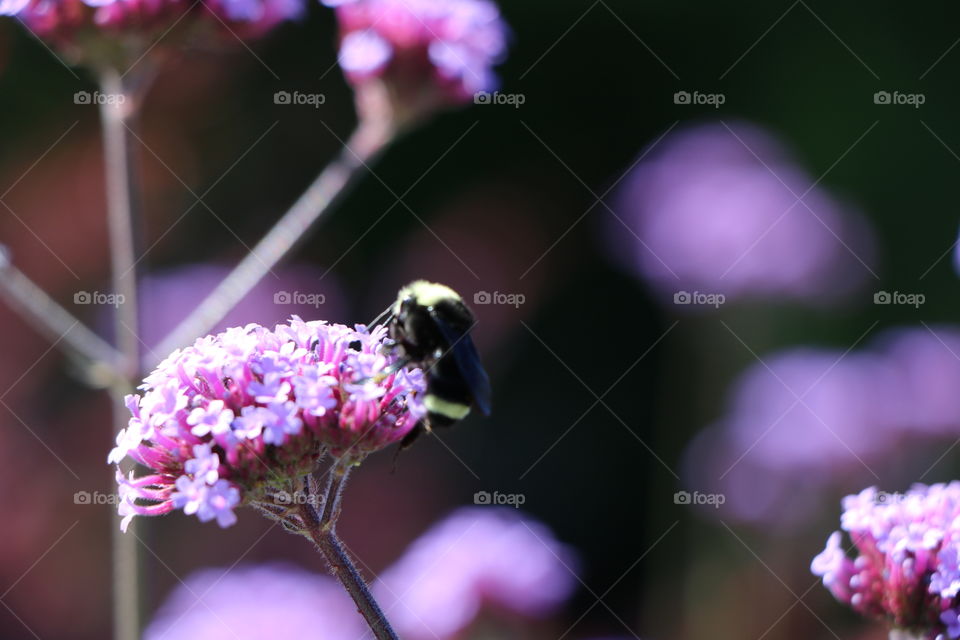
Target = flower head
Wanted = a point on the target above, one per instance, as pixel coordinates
(723, 208)
(243, 414)
(858, 408)
(906, 570)
(424, 52)
(71, 22)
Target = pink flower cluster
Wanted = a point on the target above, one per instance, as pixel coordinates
(61, 20)
(906, 571)
(418, 46)
(247, 412)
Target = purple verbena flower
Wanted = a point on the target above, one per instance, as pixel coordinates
(476, 555)
(214, 438)
(427, 52)
(826, 417)
(722, 208)
(441, 584)
(67, 22)
(905, 570)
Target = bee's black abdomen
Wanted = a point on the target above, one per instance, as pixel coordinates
(440, 420)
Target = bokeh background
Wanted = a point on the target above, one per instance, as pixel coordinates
(598, 199)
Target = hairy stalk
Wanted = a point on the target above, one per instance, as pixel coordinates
(370, 139)
(322, 530)
(116, 117)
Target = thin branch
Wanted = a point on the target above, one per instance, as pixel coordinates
(117, 111)
(54, 320)
(322, 530)
(364, 145)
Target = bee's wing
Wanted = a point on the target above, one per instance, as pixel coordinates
(468, 361)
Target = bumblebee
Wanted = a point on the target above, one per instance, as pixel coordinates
(430, 326)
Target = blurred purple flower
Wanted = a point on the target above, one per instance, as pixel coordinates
(436, 589)
(63, 20)
(427, 52)
(211, 442)
(928, 362)
(906, 571)
(166, 296)
(823, 418)
(719, 208)
(476, 555)
(256, 603)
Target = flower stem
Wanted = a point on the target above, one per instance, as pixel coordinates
(900, 634)
(368, 141)
(116, 117)
(322, 530)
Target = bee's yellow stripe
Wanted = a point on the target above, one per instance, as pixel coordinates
(452, 410)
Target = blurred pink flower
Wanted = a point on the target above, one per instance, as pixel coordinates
(73, 21)
(722, 208)
(476, 555)
(435, 590)
(167, 296)
(424, 52)
(822, 418)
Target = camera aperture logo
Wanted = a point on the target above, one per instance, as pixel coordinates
(297, 98)
(512, 99)
(496, 498)
(86, 97)
(699, 298)
(712, 499)
(512, 299)
(97, 297)
(697, 98)
(299, 298)
(896, 297)
(897, 98)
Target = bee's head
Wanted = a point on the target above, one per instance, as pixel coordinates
(422, 293)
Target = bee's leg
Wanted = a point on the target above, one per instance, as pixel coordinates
(392, 369)
(384, 316)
